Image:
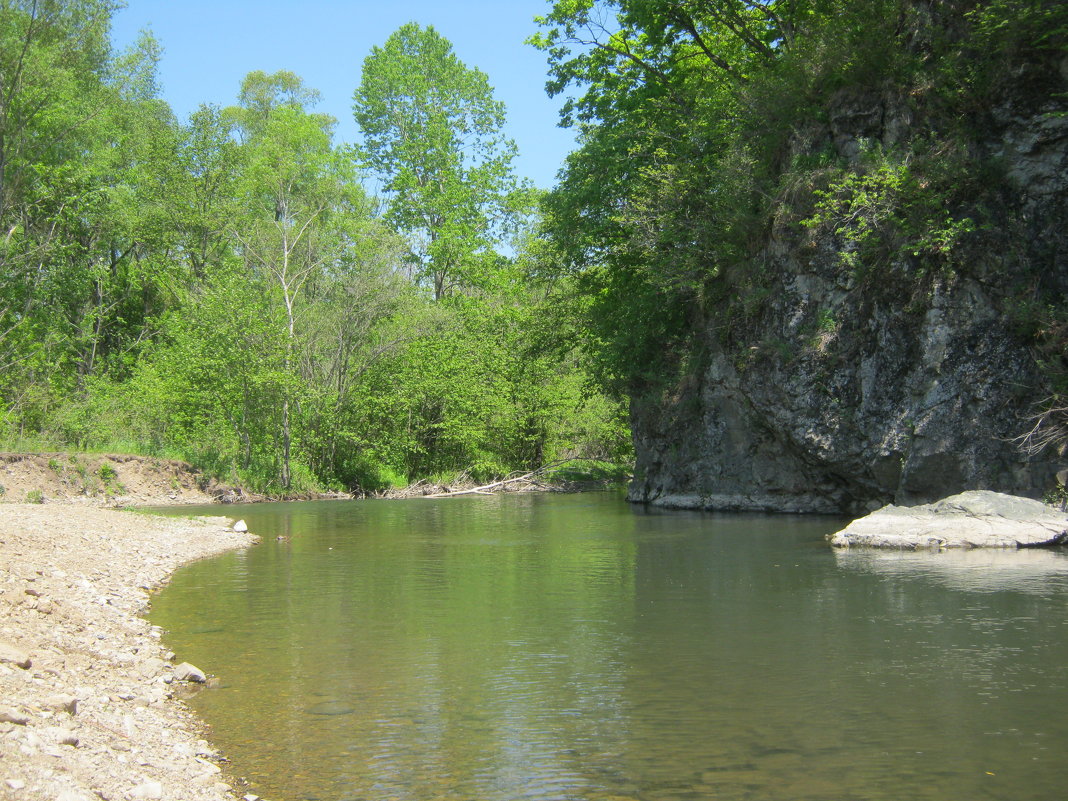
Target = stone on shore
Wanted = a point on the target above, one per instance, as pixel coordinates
(975, 519)
(94, 716)
(8, 715)
(147, 790)
(9, 653)
(188, 672)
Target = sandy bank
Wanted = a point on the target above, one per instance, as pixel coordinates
(93, 715)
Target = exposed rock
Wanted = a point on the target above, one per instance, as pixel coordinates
(892, 378)
(63, 702)
(188, 672)
(149, 789)
(61, 736)
(974, 519)
(8, 715)
(12, 655)
(240, 526)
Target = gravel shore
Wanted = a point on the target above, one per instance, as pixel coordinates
(88, 694)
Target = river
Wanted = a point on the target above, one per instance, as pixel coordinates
(576, 647)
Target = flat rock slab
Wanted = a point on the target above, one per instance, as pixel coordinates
(976, 519)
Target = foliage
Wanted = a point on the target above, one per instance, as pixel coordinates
(223, 290)
(884, 209)
(432, 132)
(704, 126)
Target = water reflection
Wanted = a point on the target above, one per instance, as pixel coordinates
(577, 648)
(1030, 570)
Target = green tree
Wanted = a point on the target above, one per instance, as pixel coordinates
(300, 197)
(432, 132)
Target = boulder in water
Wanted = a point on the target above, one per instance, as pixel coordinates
(975, 519)
(188, 672)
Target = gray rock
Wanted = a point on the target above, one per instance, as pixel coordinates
(9, 653)
(240, 526)
(66, 703)
(8, 715)
(149, 789)
(188, 672)
(62, 736)
(975, 519)
(898, 381)
(151, 667)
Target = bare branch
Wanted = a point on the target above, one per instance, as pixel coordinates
(1049, 428)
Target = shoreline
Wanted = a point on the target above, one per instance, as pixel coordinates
(97, 714)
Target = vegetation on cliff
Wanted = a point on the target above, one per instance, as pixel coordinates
(893, 150)
(704, 123)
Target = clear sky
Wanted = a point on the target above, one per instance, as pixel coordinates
(210, 45)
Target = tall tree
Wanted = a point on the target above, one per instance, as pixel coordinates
(432, 131)
(301, 197)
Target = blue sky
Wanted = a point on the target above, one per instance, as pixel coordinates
(208, 47)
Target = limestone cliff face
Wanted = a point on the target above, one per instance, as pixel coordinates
(851, 393)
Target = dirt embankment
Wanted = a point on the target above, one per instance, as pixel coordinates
(89, 696)
(107, 480)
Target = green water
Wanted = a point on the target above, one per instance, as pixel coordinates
(574, 647)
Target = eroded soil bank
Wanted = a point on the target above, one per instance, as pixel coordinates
(107, 480)
(89, 705)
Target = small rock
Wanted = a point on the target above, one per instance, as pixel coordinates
(240, 526)
(151, 667)
(8, 715)
(66, 703)
(147, 789)
(15, 784)
(9, 653)
(62, 736)
(187, 672)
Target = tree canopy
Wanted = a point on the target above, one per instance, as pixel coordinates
(225, 290)
(432, 131)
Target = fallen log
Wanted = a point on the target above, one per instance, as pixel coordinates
(486, 489)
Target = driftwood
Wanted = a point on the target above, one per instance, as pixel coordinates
(488, 489)
(532, 481)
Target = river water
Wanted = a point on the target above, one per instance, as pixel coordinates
(576, 647)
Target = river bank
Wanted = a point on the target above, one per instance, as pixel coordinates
(89, 703)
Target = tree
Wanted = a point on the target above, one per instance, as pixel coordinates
(53, 68)
(300, 196)
(433, 133)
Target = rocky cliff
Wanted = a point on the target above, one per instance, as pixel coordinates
(854, 385)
